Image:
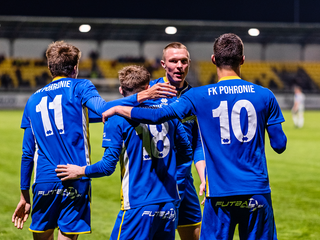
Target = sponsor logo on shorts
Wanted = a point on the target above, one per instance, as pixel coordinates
(251, 204)
(171, 214)
(69, 192)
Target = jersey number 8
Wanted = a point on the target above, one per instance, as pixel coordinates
(159, 145)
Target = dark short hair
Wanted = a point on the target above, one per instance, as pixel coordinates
(133, 79)
(62, 57)
(228, 50)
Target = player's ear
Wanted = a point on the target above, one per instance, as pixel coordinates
(75, 71)
(242, 60)
(120, 90)
(163, 64)
(213, 59)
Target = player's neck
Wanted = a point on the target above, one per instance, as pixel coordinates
(178, 85)
(227, 72)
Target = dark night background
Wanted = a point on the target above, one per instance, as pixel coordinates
(302, 11)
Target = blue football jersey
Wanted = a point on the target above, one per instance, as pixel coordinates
(59, 122)
(232, 116)
(190, 126)
(147, 160)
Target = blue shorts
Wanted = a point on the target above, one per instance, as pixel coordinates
(155, 221)
(61, 204)
(253, 213)
(189, 211)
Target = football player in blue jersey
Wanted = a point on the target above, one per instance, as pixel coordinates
(55, 121)
(233, 117)
(176, 62)
(147, 155)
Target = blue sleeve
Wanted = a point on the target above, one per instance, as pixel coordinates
(25, 123)
(182, 145)
(97, 106)
(155, 116)
(28, 150)
(112, 132)
(85, 90)
(112, 141)
(106, 165)
(275, 114)
(198, 154)
(178, 109)
(126, 101)
(278, 139)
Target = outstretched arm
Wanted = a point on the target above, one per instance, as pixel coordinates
(144, 115)
(98, 105)
(278, 139)
(104, 167)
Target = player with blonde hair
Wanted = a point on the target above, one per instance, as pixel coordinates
(148, 167)
(233, 116)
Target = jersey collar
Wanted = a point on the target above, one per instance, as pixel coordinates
(229, 78)
(181, 90)
(57, 78)
(165, 79)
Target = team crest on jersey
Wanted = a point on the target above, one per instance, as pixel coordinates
(164, 101)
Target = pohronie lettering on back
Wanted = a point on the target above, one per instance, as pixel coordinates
(231, 89)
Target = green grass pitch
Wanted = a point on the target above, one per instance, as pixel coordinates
(294, 179)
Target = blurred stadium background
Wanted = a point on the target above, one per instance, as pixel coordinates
(282, 55)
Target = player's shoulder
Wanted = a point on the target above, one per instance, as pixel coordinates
(155, 81)
(263, 90)
(174, 122)
(119, 121)
(81, 81)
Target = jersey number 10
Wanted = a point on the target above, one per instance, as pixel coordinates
(222, 113)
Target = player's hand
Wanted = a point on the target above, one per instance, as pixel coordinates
(21, 213)
(201, 191)
(162, 90)
(109, 113)
(124, 111)
(159, 90)
(70, 171)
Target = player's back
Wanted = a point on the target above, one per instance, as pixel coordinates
(233, 115)
(59, 123)
(148, 161)
(191, 128)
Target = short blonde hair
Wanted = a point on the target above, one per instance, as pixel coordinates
(176, 45)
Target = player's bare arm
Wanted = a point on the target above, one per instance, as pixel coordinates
(70, 171)
(159, 90)
(200, 166)
(22, 211)
(119, 110)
